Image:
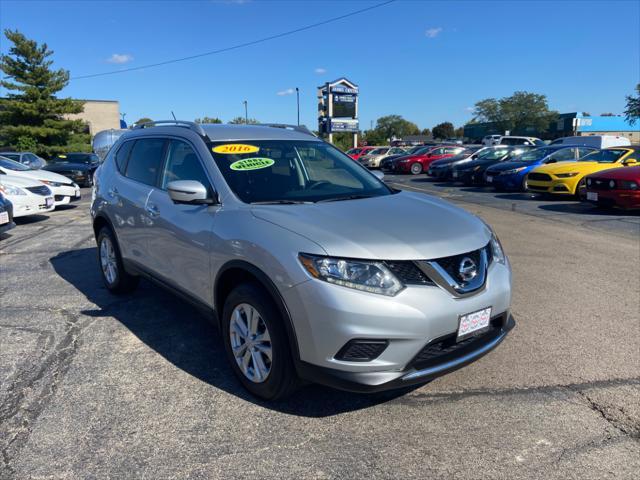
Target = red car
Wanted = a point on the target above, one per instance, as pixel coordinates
(356, 153)
(618, 187)
(416, 164)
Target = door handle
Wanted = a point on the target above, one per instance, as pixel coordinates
(112, 192)
(152, 210)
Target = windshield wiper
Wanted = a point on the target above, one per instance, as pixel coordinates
(281, 202)
(348, 197)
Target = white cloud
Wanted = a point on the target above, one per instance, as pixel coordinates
(470, 109)
(288, 91)
(433, 32)
(120, 58)
(320, 71)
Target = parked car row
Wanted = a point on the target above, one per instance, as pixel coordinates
(34, 191)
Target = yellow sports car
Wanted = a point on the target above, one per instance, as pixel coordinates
(567, 178)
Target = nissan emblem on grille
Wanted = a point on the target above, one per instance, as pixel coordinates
(467, 269)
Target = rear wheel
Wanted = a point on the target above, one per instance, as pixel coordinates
(416, 168)
(115, 278)
(256, 343)
(581, 189)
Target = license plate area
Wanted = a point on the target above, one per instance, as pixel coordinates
(593, 196)
(489, 179)
(474, 323)
(4, 218)
(48, 202)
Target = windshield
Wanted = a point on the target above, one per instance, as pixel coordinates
(604, 156)
(493, 154)
(534, 155)
(378, 151)
(11, 165)
(284, 171)
(76, 158)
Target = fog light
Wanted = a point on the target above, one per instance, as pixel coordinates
(361, 350)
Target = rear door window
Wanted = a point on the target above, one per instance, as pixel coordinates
(145, 160)
(122, 155)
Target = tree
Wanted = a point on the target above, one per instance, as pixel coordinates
(632, 111)
(240, 120)
(519, 113)
(459, 133)
(208, 120)
(426, 132)
(374, 137)
(343, 140)
(143, 120)
(31, 116)
(395, 126)
(443, 130)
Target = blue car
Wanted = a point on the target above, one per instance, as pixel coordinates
(512, 175)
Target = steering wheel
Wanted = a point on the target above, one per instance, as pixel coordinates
(319, 183)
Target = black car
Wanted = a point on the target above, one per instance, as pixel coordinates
(6, 214)
(79, 167)
(472, 172)
(442, 168)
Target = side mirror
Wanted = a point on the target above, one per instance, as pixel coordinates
(190, 192)
(379, 175)
(630, 161)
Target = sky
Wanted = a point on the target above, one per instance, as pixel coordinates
(429, 61)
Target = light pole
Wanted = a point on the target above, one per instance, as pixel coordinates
(246, 114)
(298, 103)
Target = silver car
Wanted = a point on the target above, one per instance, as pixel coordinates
(311, 266)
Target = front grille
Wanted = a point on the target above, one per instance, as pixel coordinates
(446, 348)
(408, 273)
(539, 177)
(599, 184)
(42, 190)
(361, 350)
(452, 264)
(535, 187)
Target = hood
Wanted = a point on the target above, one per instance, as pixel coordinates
(41, 175)
(445, 161)
(20, 181)
(503, 166)
(627, 173)
(403, 226)
(52, 167)
(566, 167)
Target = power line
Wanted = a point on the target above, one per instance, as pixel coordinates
(241, 45)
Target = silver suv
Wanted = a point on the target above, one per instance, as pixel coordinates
(311, 266)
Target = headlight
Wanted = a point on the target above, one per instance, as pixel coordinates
(627, 185)
(566, 175)
(77, 172)
(372, 277)
(512, 171)
(588, 182)
(10, 190)
(496, 250)
(476, 168)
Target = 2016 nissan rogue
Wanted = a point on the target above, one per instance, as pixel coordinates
(312, 267)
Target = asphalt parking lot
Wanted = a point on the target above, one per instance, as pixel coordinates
(94, 386)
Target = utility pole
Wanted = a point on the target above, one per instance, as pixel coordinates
(246, 114)
(298, 103)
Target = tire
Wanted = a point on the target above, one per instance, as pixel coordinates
(524, 184)
(581, 188)
(416, 168)
(89, 181)
(114, 276)
(279, 379)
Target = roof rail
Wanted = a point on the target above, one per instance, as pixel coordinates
(297, 128)
(178, 123)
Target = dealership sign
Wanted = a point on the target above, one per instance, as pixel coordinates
(342, 125)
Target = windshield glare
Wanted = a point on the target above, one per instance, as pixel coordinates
(378, 151)
(11, 165)
(493, 154)
(76, 158)
(295, 171)
(534, 155)
(603, 156)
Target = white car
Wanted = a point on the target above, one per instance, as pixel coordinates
(373, 158)
(64, 190)
(28, 196)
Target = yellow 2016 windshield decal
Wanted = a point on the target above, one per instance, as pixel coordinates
(235, 149)
(251, 164)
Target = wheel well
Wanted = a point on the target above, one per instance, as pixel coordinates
(98, 224)
(230, 279)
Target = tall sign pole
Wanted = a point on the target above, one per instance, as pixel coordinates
(338, 109)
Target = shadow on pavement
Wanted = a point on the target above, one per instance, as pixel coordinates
(30, 219)
(187, 339)
(587, 209)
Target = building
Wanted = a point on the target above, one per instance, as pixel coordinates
(99, 115)
(567, 125)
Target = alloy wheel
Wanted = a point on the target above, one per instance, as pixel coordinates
(108, 261)
(250, 342)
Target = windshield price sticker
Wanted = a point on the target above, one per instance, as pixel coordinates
(235, 149)
(252, 164)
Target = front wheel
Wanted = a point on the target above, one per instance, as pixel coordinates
(114, 276)
(416, 169)
(256, 343)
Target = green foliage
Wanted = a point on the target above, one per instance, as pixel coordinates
(208, 120)
(31, 115)
(143, 120)
(459, 133)
(241, 120)
(343, 140)
(518, 113)
(395, 126)
(426, 132)
(374, 137)
(632, 110)
(443, 130)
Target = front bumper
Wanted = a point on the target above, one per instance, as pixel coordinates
(326, 317)
(627, 199)
(439, 172)
(65, 194)
(504, 182)
(370, 382)
(9, 224)
(24, 205)
(556, 186)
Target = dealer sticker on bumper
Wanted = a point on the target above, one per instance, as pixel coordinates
(593, 196)
(48, 202)
(489, 179)
(4, 218)
(474, 323)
